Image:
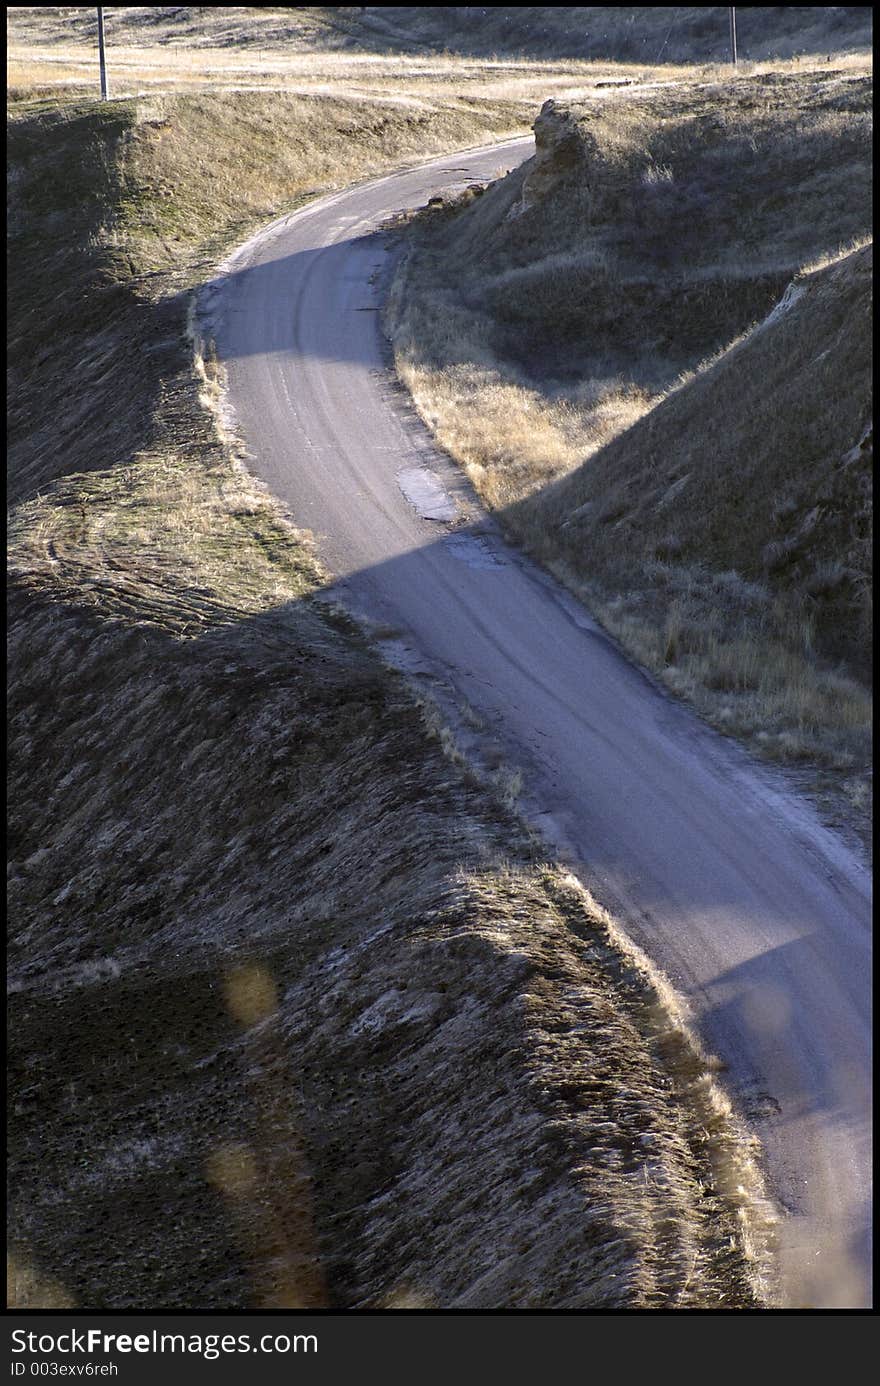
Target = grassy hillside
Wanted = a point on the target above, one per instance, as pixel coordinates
(52, 53)
(130, 200)
(298, 1016)
(583, 337)
(759, 464)
(282, 1029)
(646, 34)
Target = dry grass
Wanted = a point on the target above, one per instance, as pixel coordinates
(643, 35)
(150, 194)
(298, 1017)
(409, 55)
(54, 55)
(70, 72)
(581, 337)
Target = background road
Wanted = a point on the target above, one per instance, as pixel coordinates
(758, 916)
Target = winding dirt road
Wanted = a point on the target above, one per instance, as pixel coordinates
(758, 916)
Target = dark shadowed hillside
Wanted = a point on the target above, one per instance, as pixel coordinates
(760, 463)
(646, 34)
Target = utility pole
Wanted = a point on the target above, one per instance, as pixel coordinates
(105, 87)
(733, 34)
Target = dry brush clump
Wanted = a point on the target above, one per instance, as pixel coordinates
(596, 338)
(297, 1016)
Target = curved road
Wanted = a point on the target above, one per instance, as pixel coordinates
(757, 915)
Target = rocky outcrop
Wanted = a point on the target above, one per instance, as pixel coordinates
(561, 150)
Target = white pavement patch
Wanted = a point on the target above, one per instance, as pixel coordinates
(426, 494)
